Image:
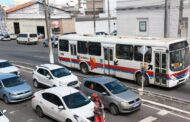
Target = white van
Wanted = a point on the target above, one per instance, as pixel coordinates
(27, 38)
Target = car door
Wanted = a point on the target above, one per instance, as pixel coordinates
(88, 88)
(42, 76)
(58, 114)
(49, 81)
(45, 103)
(1, 90)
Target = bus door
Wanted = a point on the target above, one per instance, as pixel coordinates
(73, 59)
(108, 61)
(160, 68)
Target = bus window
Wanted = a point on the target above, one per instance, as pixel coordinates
(82, 47)
(137, 55)
(124, 52)
(64, 45)
(94, 48)
(148, 55)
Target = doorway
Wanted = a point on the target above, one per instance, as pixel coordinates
(41, 30)
(16, 27)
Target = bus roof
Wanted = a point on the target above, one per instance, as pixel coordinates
(150, 41)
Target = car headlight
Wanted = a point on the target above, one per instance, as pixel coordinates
(80, 119)
(12, 94)
(124, 104)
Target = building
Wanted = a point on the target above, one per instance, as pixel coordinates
(147, 18)
(2, 20)
(98, 6)
(29, 17)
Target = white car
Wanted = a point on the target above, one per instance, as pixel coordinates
(27, 38)
(13, 36)
(7, 67)
(54, 75)
(3, 118)
(64, 104)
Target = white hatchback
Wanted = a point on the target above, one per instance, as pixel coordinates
(54, 75)
(64, 104)
(7, 67)
(3, 118)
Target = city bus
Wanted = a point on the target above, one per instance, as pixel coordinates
(167, 62)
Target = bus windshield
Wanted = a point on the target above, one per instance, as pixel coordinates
(179, 59)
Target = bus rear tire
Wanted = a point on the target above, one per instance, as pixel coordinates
(139, 80)
(84, 68)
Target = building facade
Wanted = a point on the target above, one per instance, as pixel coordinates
(30, 18)
(2, 20)
(147, 18)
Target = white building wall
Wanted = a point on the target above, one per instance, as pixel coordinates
(128, 22)
(186, 13)
(87, 27)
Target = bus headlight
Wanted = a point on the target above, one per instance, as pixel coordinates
(172, 77)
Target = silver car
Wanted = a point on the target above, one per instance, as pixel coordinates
(114, 95)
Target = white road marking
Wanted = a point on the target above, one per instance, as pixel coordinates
(26, 71)
(188, 83)
(30, 120)
(42, 57)
(149, 119)
(163, 112)
(13, 112)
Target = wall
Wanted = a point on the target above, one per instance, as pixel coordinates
(87, 27)
(68, 25)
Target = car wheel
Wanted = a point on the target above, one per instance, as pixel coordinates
(39, 112)
(139, 80)
(84, 68)
(68, 120)
(114, 109)
(35, 83)
(5, 99)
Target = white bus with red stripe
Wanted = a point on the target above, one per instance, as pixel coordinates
(166, 59)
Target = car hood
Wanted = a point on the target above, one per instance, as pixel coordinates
(67, 79)
(127, 95)
(9, 69)
(85, 111)
(4, 119)
(19, 88)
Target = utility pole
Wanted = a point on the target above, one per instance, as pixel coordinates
(180, 18)
(48, 29)
(165, 18)
(109, 28)
(94, 17)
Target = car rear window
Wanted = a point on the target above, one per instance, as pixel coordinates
(33, 35)
(23, 35)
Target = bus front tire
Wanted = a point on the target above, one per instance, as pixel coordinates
(84, 68)
(139, 80)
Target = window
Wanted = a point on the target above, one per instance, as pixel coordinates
(33, 35)
(56, 100)
(41, 71)
(64, 45)
(99, 88)
(23, 35)
(124, 51)
(137, 55)
(94, 48)
(142, 26)
(82, 47)
(47, 96)
(148, 55)
(89, 84)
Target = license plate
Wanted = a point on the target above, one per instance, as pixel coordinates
(135, 105)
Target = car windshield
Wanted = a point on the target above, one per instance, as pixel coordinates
(61, 72)
(33, 35)
(14, 81)
(76, 100)
(5, 64)
(116, 87)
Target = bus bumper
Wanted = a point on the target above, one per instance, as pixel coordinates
(173, 83)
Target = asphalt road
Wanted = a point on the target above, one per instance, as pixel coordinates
(37, 54)
(23, 112)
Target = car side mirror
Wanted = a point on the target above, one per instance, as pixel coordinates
(61, 107)
(49, 77)
(4, 111)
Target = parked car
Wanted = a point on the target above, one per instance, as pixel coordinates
(27, 38)
(115, 96)
(101, 33)
(54, 41)
(7, 67)
(5, 37)
(14, 89)
(13, 36)
(64, 104)
(3, 118)
(54, 75)
(40, 36)
(114, 33)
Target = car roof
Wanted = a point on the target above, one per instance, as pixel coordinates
(61, 91)
(2, 60)
(100, 79)
(51, 66)
(6, 75)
